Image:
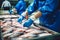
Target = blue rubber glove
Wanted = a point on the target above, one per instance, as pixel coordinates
(28, 23)
(20, 19)
(10, 11)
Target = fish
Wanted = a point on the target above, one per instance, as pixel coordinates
(44, 34)
(8, 31)
(28, 35)
(7, 35)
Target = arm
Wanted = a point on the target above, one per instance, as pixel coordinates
(32, 7)
(29, 10)
(22, 7)
(14, 10)
(18, 5)
(49, 7)
(19, 9)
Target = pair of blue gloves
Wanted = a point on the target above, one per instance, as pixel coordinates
(27, 23)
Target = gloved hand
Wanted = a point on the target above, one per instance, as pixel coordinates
(20, 19)
(11, 11)
(28, 23)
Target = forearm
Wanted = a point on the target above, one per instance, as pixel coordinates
(36, 15)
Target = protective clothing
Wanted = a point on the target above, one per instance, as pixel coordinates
(20, 7)
(35, 5)
(50, 13)
(28, 23)
(20, 19)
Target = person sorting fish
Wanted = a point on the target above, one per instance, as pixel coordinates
(47, 11)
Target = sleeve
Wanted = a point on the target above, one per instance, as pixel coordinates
(49, 6)
(18, 5)
(22, 8)
(32, 7)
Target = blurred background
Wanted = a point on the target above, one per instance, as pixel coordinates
(13, 2)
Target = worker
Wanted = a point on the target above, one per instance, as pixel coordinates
(6, 5)
(19, 8)
(48, 14)
(30, 9)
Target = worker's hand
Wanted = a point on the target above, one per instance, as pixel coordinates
(11, 11)
(20, 19)
(23, 15)
(28, 23)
